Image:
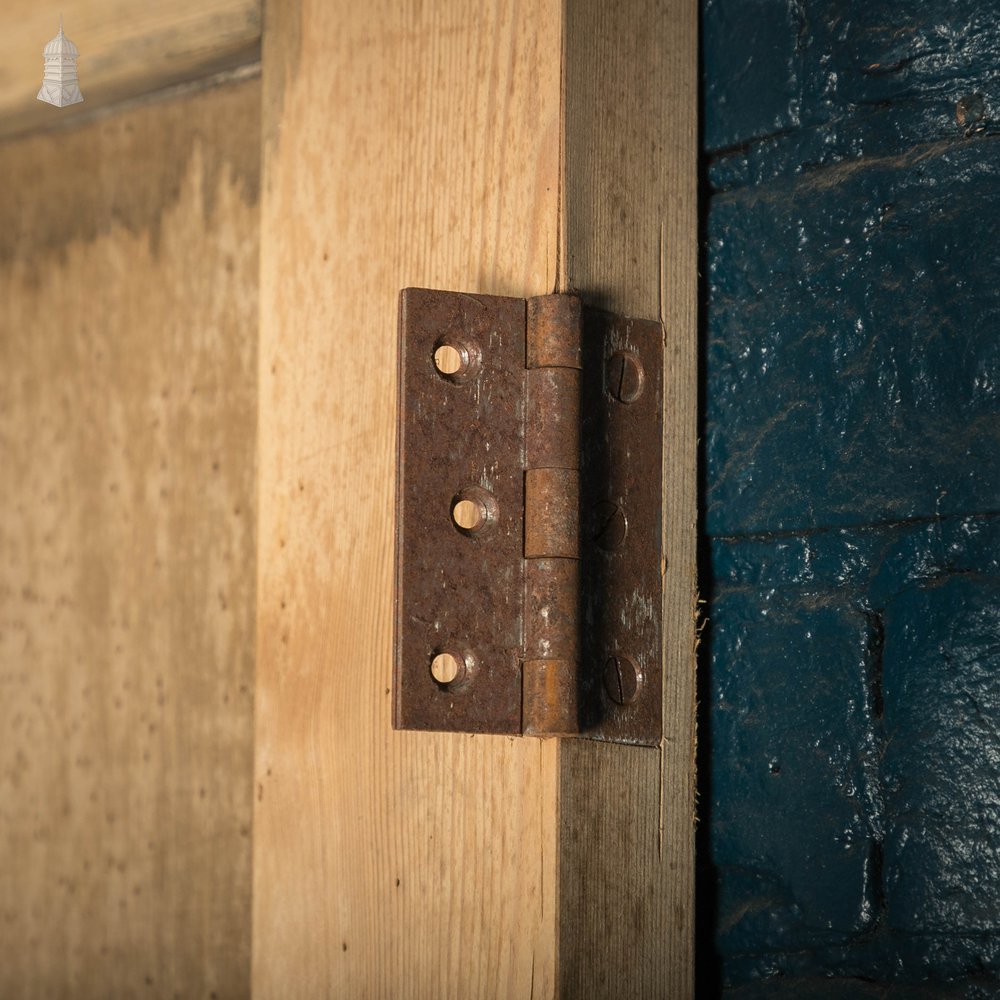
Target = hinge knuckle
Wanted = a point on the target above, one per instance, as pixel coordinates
(552, 421)
(551, 647)
(549, 319)
(551, 666)
(552, 513)
(552, 609)
(550, 698)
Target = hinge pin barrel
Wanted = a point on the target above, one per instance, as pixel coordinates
(550, 672)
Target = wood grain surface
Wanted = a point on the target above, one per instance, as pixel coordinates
(419, 146)
(128, 314)
(626, 831)
(509, 150)
(407, 144)
(128, 48)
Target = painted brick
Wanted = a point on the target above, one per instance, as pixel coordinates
(752, 70)
(851, 482)
(837, 988)
(853, 363)
(792, 803)
(783, 65)
(856, 654)
(942, 757)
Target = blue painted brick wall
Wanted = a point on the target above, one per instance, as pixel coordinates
(851, 683)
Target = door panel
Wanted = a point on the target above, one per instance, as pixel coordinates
(411, 144)
(128, 314)
(508, 149)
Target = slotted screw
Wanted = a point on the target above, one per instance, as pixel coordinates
(622, 679)
(625, 376)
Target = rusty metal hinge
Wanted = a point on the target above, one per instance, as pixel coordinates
(528, 523)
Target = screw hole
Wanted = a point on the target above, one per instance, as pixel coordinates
(474, 509)
(456, 360)
(445, 667)
(469, 515)
(448, 360)
(452, 669)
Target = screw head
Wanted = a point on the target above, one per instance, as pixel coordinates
(625, 377)
(610, 526)
(622, 679)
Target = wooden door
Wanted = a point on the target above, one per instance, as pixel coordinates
(197, 411)
(128, 317)
(500, 148)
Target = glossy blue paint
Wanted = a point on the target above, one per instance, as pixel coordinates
(778, 66)
(851, 688)
(853, 356)
(941, 763)
(855, 765)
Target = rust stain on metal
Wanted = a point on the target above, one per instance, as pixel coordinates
(547, 422)
(622, 679)
(552, 616)
(459, 590)
(551, 513)
(609, 524)
(552, 647)
(621, 592)
(554, 332)
(625, 376)
(552, 429)
(552, 516)
(550, 698)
